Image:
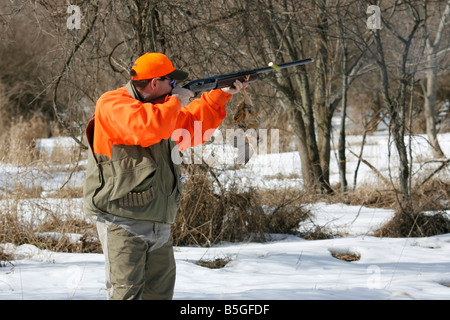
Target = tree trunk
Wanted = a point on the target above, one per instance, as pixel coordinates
(300, 133)
(430, 101)
(319, 180)
(431, 76)
(341, 146)
(323, 118)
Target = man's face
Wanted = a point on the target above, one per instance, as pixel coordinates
(157, 88)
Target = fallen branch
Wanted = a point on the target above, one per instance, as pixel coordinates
(378, 173)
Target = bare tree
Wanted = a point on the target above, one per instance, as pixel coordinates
(433, 50)
(395, 96)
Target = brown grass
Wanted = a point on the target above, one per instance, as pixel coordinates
(18, 142)
(5, 258)
(213, 264)
(67, 192)
(51, 233)
(413, 220)
(349, 257)
(415, 225)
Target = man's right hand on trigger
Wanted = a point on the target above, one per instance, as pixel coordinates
(184, 95)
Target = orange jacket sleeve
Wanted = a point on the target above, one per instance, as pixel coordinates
(121, 119)
(198, 120)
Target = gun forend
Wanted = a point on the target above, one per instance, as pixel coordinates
(219, 82)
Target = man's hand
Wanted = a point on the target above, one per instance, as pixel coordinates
(238, 86)
(184, 95)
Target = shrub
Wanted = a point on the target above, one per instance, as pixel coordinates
(209, 214)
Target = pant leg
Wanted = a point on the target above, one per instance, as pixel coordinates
(160, 273)
(125, 257)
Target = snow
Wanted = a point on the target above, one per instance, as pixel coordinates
(289, 268)
(285, 268)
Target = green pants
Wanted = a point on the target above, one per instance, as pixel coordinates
(135, 267)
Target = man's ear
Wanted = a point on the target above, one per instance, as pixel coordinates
(153, 82)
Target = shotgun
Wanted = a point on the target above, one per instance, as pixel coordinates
(227, 80)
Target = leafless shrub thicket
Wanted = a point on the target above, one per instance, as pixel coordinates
(209, 214)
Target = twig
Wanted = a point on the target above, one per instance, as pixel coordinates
(73, 170)
(443, 165)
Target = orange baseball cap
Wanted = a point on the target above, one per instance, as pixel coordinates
(153, 65)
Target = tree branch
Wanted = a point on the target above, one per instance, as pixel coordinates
(61, 74)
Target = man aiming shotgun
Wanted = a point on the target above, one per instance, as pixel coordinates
(132, 185)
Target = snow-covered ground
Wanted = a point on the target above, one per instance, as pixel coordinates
(286, 268)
